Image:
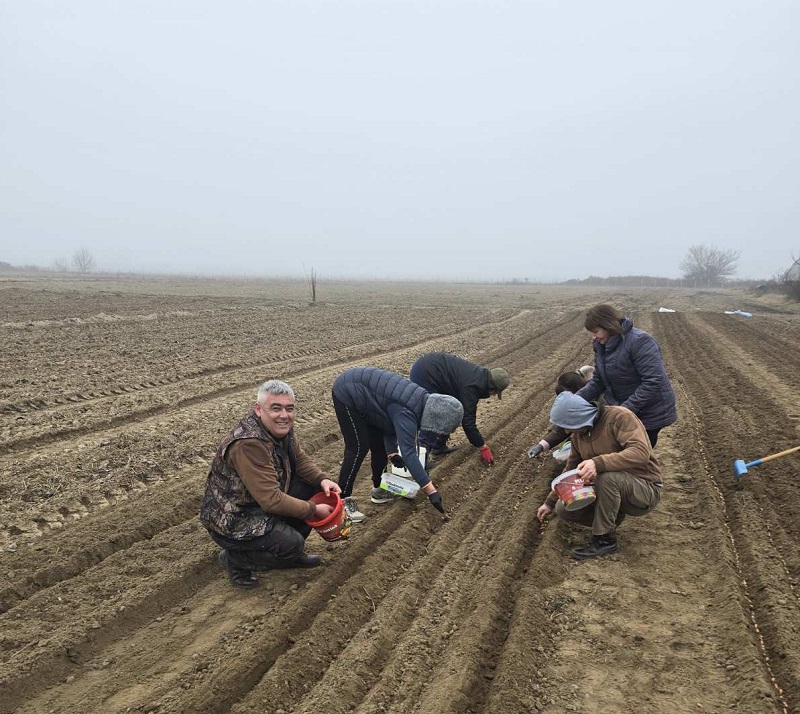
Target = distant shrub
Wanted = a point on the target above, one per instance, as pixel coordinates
(791, 288)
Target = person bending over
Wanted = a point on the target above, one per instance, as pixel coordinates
(379, 411)
(445, 373)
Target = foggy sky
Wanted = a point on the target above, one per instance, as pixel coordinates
(481, 140)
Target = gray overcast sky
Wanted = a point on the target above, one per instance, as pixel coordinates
(482, 140)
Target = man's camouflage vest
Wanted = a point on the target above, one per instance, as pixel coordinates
(228, 508)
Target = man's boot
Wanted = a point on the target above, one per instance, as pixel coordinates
(239, 577)
(597, 546)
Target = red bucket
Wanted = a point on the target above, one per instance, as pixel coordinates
(335, 526)
(572, 491)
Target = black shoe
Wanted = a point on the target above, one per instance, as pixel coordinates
(596, 546)
(307, 560)
(238, 576)
(444, 450)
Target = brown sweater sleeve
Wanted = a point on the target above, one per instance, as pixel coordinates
(253, 463)
(555, 436)
(307, 470)
(635, 455)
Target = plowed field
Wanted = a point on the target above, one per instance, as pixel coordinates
(114, 397)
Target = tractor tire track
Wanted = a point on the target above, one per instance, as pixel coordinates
(242, 376)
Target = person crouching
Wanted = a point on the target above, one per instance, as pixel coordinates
(611, 449)
(256, 501)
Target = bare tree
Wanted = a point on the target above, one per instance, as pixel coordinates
(312, 282)
(60, 265)
(83, 260)
(707, 265)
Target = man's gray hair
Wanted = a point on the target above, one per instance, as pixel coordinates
(273, 386)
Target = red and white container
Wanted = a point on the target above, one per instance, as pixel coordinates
(337, 524)
(572, 491)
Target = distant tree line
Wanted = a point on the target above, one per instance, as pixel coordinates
(82, 262)
(633, 281)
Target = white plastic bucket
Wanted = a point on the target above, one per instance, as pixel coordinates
(399, 486)
(405, 473)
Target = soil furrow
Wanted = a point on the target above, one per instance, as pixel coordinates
(762, 342)
(771, 594)
(367, 588)
(133, 465)
(133, 414)
(469, 549)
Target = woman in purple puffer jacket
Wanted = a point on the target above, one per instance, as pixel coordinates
(629, 370)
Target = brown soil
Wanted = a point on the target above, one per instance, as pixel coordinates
(116, 392)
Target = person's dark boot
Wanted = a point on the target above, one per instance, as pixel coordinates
(441, 451)
(238, 577)
(304, 560)
(307, 560)
(596, 547)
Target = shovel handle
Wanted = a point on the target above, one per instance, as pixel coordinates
(776, 456)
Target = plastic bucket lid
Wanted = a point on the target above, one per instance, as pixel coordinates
(337, 524)
(572, 491)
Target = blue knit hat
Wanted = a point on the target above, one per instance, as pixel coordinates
(572, 412)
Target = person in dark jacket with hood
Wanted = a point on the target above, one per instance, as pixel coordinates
(445, 373)
(629, 370)
(379, 411)
(258, 491)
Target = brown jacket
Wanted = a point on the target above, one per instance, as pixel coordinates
(616, 442)
(249, 478)
(253, 462)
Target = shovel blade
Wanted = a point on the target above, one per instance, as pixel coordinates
(739, 468)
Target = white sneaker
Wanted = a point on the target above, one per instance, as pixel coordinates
(350, 506)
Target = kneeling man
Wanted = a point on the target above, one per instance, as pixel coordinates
(257, 494)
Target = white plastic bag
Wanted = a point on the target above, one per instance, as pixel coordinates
(563, 451)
